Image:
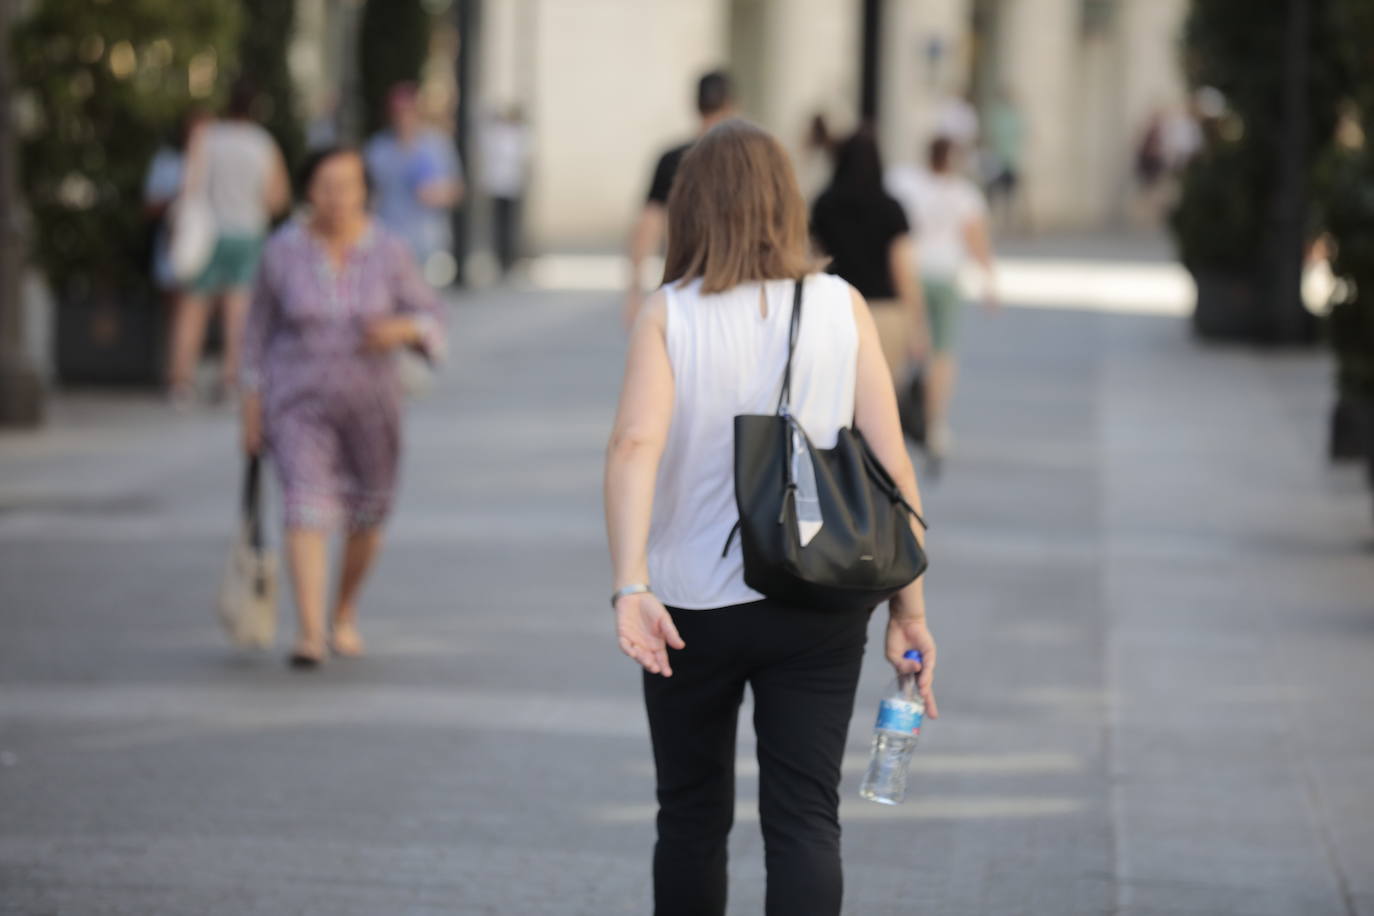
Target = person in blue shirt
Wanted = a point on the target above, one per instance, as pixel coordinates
(417, 181)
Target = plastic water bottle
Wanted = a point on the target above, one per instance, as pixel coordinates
(894, 737)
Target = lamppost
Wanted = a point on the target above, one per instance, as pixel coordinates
(1286, 321)
(21, 394)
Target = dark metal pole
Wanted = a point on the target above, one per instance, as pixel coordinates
(1286, 321)
(468, 17)
(21, 393)
(872, 59)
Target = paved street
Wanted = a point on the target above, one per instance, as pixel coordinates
(1154, 601)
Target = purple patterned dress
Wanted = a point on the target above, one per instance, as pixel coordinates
(331, 410)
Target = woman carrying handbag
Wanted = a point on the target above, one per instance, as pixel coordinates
(248, 595)
(745, 335)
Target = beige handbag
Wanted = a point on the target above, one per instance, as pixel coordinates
(248, 596)
(191, 219)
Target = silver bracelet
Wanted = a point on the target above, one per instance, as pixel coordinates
(629, 590)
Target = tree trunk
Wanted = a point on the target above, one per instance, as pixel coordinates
(21, 395)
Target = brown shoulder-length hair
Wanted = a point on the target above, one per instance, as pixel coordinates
(735, 212)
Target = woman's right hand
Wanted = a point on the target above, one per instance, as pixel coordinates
(645, 629)
(252, 424)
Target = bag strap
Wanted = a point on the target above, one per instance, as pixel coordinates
(785, 396)
(252, 501)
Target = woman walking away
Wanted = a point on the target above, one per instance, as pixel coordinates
(336, 297)
(951, 218)
(237, 165)
(709, 344)
(866, 234)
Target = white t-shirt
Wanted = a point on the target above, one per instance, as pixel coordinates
(940, 209)
(238, 158)
(957, 120)
(505, 150)
(728, 359)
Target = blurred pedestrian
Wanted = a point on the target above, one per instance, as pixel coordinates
(1005, 136)
(338, 295)
(161, 185)
(419, 180)
(712, 343)
(951, 220)
(505, 164)
(323, 129)
(243, 176)
(865, 232)
(956, 118)
(816, 163)
(1151, 165)
(715, 103)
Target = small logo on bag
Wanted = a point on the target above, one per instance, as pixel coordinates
(865, 558)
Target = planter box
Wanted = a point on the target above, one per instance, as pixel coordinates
(1228, 306)
(110, 342)
(1347, 433)
(1363, 410)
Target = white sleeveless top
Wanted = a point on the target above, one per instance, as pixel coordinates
(729, 359)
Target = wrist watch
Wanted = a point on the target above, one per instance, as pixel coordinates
(638, 589)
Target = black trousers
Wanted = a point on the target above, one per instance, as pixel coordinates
(506, 219)
(803, 667)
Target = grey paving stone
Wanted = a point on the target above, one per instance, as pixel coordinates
(1153, 609)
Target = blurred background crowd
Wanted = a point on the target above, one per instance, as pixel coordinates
(496, 130)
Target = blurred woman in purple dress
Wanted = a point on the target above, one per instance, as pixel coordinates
(336, 297)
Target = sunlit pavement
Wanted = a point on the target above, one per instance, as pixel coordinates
(1155, 607)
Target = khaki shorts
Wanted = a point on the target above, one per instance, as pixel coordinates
(895, 324)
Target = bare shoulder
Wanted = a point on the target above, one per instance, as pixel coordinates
(654, 313)
(857, 303)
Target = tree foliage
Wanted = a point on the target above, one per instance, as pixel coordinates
(1350, 208)
(102, 84)
(264, 58)
(393, 44)
(1238, 47)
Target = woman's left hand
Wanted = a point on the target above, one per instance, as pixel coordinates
(646, 630)
(387, 334)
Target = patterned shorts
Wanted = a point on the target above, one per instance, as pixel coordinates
(336, 461)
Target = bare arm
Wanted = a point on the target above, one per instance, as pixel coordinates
(645, 239)
(277, 194)
(901, 257)
(261, 322)
(637, 441)
(875, 415)
(644, 628)
(442, 193)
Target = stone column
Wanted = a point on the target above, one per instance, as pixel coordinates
(810, 52)
(1037, 47)
(925, 59)
(613, 85)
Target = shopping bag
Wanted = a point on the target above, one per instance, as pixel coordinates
(192, 228)
(911, 407)
(248, 594)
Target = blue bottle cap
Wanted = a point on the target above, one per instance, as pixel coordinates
(913, 654)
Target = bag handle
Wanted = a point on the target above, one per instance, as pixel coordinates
(879, 475)
(252, 501)
(785, 396)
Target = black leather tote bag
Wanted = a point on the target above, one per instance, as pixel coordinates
(865, 550)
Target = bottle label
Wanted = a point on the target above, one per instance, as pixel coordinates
(899, 716)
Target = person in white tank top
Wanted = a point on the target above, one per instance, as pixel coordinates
(711, 344)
